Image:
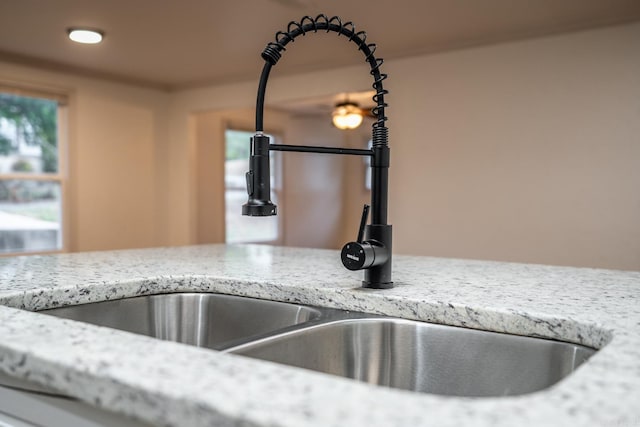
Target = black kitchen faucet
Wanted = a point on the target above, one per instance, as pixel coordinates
(371, 251)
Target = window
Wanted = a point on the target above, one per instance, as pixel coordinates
(239, 228)
(31, 183)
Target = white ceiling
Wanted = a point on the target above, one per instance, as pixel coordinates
(174, 44)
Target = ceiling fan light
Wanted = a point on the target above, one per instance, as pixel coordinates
(347, 116)
(82, 35)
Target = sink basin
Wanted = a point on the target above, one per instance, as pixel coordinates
(423, 357)
(202, 319)
(384, 351)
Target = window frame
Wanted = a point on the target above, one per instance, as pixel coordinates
(61, 176)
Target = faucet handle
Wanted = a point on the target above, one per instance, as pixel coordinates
(363, 223)
(361, 254)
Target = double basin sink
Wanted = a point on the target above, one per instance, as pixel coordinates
(379, 350)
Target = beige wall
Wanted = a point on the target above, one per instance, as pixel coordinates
(117, 134)
(526, 151)
(209, 176)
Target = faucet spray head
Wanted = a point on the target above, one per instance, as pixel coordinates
(259, 179)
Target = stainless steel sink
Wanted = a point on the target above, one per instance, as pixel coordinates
(397, 353)
(424, 357)
(202, 319)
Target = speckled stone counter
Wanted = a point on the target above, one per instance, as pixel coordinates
(177, 385)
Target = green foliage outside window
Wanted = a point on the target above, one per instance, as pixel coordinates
(237, 144)
(36, 121)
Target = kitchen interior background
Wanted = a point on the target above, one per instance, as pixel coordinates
(526, 150)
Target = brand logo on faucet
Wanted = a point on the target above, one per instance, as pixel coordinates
(353, 257)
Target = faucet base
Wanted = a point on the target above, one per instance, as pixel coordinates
(376, 285)
(379, 276)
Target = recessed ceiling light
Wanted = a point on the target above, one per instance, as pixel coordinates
(83, 35)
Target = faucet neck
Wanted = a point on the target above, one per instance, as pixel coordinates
(307, 25)
(373, 254)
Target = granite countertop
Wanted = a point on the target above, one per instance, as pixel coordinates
(167, 383)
